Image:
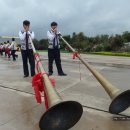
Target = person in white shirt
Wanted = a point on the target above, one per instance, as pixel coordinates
(1, 49)
(13, 48)
(54, 50)
(26, 49)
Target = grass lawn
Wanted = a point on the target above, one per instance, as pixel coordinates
(126, 54)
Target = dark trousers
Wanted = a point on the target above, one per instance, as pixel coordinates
(28, 55)
(13, 54)
(1, 52)
(54, 54)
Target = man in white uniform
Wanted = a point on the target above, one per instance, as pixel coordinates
(26, 49)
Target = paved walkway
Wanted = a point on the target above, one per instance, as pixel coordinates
(19, 110)
(117, 61)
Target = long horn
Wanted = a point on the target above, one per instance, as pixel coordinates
(8, 37)
(61, 115)
(120, 100)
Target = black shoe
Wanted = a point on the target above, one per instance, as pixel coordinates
(49, 74)
(25, 76)
(62, 74)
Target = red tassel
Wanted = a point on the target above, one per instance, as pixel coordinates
(38, 86)
(37, 55)
(75, 54)
(37, 83)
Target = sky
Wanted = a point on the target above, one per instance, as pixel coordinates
(93, 17)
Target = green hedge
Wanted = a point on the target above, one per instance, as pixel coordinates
(126, 54)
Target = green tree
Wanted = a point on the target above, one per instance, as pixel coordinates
(126, 37)
(116, 42)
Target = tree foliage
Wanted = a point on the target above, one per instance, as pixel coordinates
(90, 44)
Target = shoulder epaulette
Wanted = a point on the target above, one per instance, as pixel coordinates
(22, 32)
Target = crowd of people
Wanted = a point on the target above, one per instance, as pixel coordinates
(9, 49)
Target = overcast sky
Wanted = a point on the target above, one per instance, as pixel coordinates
(89, 16)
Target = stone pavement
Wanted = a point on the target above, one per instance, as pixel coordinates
(18, 107)
(117, 61)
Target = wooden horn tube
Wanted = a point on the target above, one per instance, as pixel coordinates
(61, 115)
(9, 37)
(120, 100)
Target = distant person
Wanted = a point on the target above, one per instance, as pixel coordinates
(54, 50)
(26, 49)
(7, 50)
(13, 48)
(1, 49)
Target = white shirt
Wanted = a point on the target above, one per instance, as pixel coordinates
(1, 46)
(22, 36)
(7, 45)
(53, 39)
(13, 45)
